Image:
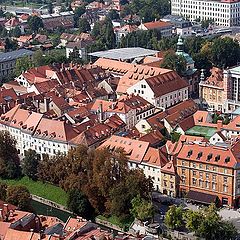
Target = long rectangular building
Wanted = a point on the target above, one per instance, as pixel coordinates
(222, 13)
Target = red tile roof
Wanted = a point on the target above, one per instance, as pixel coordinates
(157, 25)
(136, 74)
(215, 155)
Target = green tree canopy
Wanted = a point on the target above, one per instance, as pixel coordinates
(174, 217)
(9, 160)
(207, 224)
(113, 14)
(30, 164)
(79, 204)
(3, 191)
(172, 61)
(225, 52)
(84, 25)
(22, 64)
(19, 196)
(35, 23)
(142, 209)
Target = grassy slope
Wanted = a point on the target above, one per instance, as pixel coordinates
(44, 190)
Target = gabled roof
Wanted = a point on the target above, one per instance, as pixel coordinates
(154, 157)
(157, 25)
(166, 82)
(168, 168)
(134, 149)
(136, 74)
(224, 156)
(113, 65)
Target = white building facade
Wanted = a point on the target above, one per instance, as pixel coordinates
(222, 13)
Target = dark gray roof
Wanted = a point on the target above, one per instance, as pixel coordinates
(23, 221)
(55, 229)
(8, 56)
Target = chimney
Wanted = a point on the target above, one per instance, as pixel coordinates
(46, 104)
(219, 125)
(100, 110)
(1, 214)
(5, 208)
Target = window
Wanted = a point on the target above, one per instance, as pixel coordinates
(207, 167)
(194, 165)
(214, 186)
(200, 174)
(225, 179)
(207, 184)
(194, 181)
(183, 171)
(225, 188)
(207, 175)
(183, 163)
(214, 177)
(200, 183)
(200, 165)
(194, 173)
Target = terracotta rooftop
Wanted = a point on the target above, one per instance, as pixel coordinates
(157, 25)
(113, 65)
(136, 74)
(166, 82)
(216, 155)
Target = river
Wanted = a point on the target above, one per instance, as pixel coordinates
(43, 209)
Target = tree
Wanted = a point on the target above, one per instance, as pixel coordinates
(3, 191)
(22, 64)
(30, 164)
(19, 196)
(142, 209)
(225, 52)
(205, 23)
(35, 23)
(38, 58)
(175, 136)
(10, 44)
(50, 8)
(113, 14)
(208, 224)
(9, 159)
(79, 204)
(172, 61)
(78, 13)
(84, 25)
(174, 217)
(16, 32)
(193, 220)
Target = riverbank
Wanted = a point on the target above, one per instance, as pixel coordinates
(42, 190)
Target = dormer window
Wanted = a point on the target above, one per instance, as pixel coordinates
(199, 155)
(209, 156)
(217, 158)
(189, 153)
(227, 159)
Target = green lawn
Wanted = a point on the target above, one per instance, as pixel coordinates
(115, 221)
(44, 190)
(202, 131)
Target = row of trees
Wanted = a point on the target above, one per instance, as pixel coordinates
(205, 223)
(220, 52)
(39, 58)
(98, 182)
(148, 10)
(103, 177)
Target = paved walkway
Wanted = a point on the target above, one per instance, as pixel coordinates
(50, 203)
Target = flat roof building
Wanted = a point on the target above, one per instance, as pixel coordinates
(124, 54)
